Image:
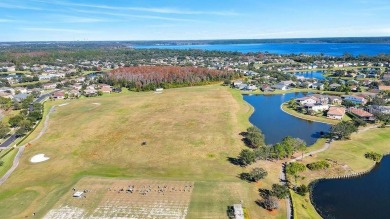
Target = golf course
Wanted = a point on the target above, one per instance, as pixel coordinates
(184, 134)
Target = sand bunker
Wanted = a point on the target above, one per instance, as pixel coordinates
(64, 104)
(98, 104)
(39, 158)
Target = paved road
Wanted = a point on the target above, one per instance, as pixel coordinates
(13, 137)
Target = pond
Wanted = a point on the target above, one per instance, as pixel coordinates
(366, 196)
(276, 124)
(319, 75)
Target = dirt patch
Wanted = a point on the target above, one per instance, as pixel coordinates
(106, 198)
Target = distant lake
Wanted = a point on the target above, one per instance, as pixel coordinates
(331, 49)
(312, 74)
(367, 196)
(276, 124)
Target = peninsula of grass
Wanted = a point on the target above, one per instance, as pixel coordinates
(346, 157)
(293, 90)
(181, 134)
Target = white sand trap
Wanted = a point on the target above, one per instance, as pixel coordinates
(39, 158)
(97, 104)
(64, 104)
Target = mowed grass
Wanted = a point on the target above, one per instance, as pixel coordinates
(8, 159)
(306, 209)
(348, 157)
(189, 134)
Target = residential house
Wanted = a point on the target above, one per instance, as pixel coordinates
(364, 115)
(335, 112)
(306, 100)
(8, 90)
(317, 86)
(355, 99)
(266, 88)
(334, 86)
(106, 90)
(379, 109)
(49, 86)
(335, 100)
(280, 86)
(237, 83)
(386, 77)
(384, 88)
(74, 93)
(20, 97)
(238, 211)
(317, 107)
(22, 90)
(251, 87)
(6, 95)
(58, 95)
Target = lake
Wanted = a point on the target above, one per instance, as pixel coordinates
(311, 74)
(367, 196)
(276, 124)
(331, 49)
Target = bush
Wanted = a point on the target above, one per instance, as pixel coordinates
(1, 163)
(320, 165)
(294, 168)
(302, 190)
(373, 156)
(280, 191)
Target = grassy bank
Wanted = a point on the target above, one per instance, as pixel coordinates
(8, 160)
(346, 157)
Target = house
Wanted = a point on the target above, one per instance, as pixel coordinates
(386, 77)
(335, 112)
(334, 86)
(104, 86)
(364, 115)
(158, 90)
(20, 97)
(251, 87)
(318, 86)
(49, 86)
(74, 93)
(335, 100)
(306, 100)
(242, 86)
(280, 86)
(316, 107)
(22, 90)
(106, 90)
(355, 99)
(6, 95)
(237, 83)
(266, 88)
(379, 109)
(90, 92)
(58, 95)
(8, 90)
(78, 194)
(384, 88)
(118, 89)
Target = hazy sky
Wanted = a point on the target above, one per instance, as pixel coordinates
(32, 20)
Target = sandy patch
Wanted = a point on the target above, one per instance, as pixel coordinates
(64, 104)
(98, 104)
(39, 158)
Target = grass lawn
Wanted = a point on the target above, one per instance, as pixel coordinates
(346, 157)
(8, 159)
(29, 83)
(189, 134)
(303, 208)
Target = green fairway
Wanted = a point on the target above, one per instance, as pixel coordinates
(189, 133)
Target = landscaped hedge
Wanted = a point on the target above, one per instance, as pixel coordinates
(320, 165)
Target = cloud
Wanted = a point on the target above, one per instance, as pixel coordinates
(6, 20)
(62, 30)
(76, 19)
(162, 10)
(18, 6)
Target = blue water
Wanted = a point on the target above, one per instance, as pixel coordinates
(312, 74)
(367, 196)
(276, 124)
(331, 49)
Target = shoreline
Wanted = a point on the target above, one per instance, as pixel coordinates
(303, 118)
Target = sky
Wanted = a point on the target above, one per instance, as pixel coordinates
(92, 20)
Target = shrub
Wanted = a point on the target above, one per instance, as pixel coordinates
(255, 175)
(373, 156)
(294, 168)
(320, 165)
(1, 163)
(302, 190)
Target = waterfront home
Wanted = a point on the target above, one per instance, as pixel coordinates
(266, 88)
(237, 83)
(317, 107)
(335, 100)
(306, 100)
(74, 93)
(106, 90)
(379, 109)
(6, 95)
(335, 112)
(322, 99)
(242, 86)
(364, 115)
(355, 99)
(250, 87)
(386, 77)
(318, 86)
